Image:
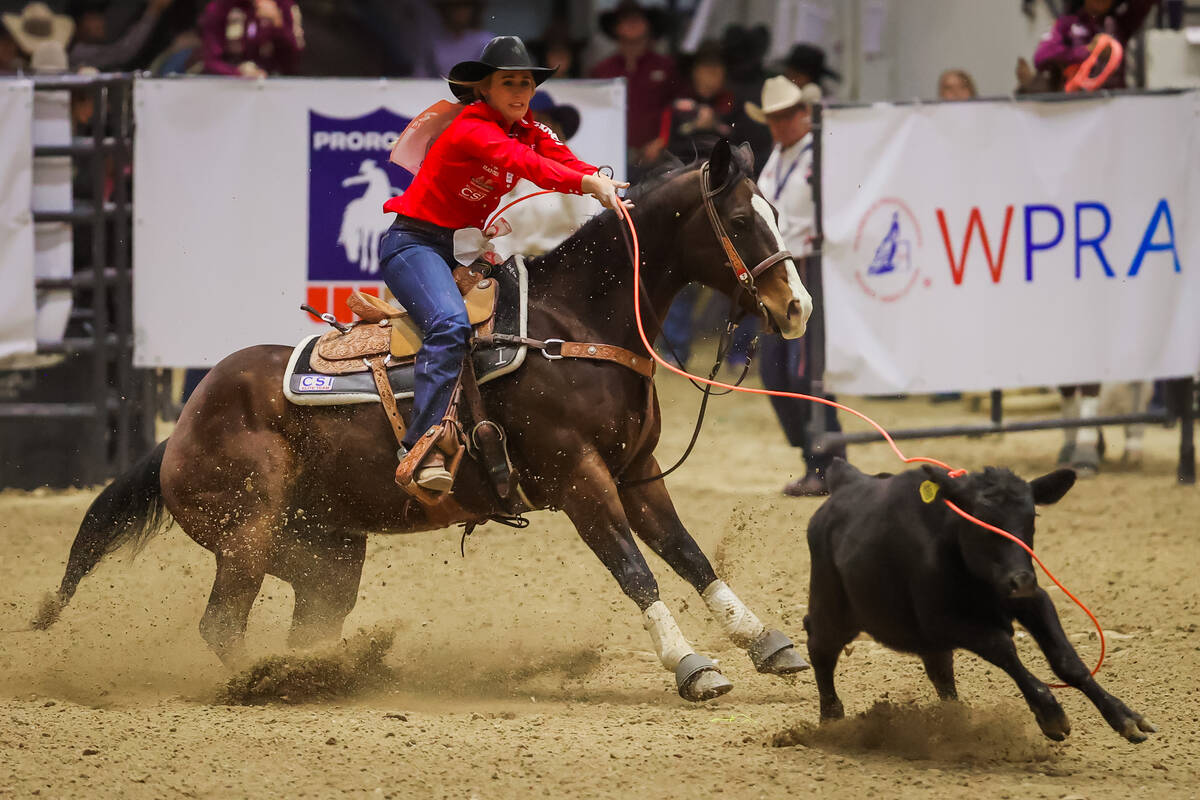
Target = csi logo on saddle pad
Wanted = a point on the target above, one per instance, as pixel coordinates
(349, 180)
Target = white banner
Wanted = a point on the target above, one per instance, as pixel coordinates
(998, 244)
(251, 198)
(18, 308)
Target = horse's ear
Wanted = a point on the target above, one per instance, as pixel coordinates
(719, 163)
(745, 157)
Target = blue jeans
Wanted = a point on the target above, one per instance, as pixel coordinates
(416, 266)
(780, 361)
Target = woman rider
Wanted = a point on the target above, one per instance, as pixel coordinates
(490, 145)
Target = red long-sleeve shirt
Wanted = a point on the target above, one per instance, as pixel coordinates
(477, 160)
(232, 32)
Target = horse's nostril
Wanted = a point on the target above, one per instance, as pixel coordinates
(794, 308)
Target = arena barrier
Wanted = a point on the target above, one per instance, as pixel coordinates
(1007, 243)
(253, 197)
(73, 409)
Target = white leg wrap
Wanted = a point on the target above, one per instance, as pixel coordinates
(1070, 410)
(1088, 409)
(668, 640)
(739, 622)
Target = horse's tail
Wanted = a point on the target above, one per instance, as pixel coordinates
(129, 510)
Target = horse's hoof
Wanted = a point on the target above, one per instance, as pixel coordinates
(773, 654)
(1056, 726)
(698, 679)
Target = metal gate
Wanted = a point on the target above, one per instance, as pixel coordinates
(88, 417)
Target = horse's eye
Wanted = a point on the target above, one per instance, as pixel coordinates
(739, 219)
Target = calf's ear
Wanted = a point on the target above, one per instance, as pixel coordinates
(1051, 487)
(954, 488)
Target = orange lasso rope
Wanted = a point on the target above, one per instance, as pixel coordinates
(637, 310)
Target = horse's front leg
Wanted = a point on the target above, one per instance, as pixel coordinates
(594, 507)
(653, 516)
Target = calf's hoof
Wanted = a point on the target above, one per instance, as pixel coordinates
(1055, 725)
(774, 654)
(1135, 727)
(698, 679)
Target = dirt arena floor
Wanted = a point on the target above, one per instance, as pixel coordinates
(522, 671)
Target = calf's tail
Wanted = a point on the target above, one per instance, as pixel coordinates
(128, 511)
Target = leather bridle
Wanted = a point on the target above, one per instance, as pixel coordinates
(744, 275)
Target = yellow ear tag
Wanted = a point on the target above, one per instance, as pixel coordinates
(929, 490)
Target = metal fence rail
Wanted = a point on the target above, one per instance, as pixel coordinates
(113, 411)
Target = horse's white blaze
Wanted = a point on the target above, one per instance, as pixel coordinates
(669, 644)
(740, 623)
(799, 293)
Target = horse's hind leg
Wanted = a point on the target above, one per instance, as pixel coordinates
(656, 522)
(240, 574)
(325, 575)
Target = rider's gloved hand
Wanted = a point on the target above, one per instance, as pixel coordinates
(604, 189)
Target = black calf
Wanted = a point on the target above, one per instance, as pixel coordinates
(889, 558)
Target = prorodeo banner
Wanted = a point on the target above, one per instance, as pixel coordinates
(18, 308)
(1000, 244)
(251, 198)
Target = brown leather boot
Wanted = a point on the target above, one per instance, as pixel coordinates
(432, 475)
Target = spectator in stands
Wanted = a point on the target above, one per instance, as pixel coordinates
(251, 38)
(461, 36)
(92, 47)
(34, 25)
(49, 58)
(743, 50)
(956, 84)
(11, 61)
(652, 81)
(785, 181)
(557, 49)
(691, 126)
(695, 122)
(1070, 41)
(805, 64)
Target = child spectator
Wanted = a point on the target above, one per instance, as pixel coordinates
(251, 38)
(694, 123)
(1070, 41)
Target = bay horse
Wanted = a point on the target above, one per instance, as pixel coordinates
(272, 487)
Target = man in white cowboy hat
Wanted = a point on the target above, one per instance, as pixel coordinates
(784, 181)
(37, 24)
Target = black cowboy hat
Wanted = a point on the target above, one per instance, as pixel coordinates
(810, 60)
(566, 116)
(504, 53)
(655, 17)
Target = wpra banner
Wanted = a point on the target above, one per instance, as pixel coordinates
(999, 244)
(18, 308)
(253, 197)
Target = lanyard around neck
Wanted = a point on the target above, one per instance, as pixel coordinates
(780, 182)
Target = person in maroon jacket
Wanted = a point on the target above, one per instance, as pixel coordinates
(251, 38)
(1070, 41)
(491, 144)
(652, 79)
